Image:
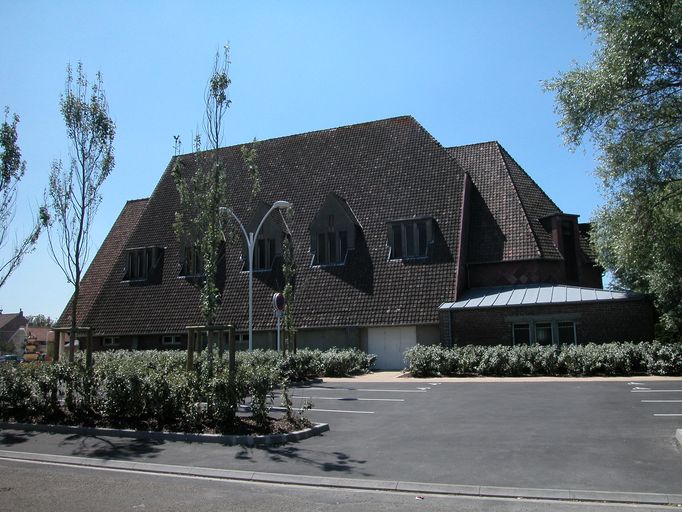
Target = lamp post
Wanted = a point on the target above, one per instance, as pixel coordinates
(250, 245)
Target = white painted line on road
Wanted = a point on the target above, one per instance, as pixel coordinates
(351, 399)
(638, 388)
(339, 410)
(322, 388)
(394, 390)
(656, 390)
(635, 383)
(670, 415)
(424, 389)
(662, 401)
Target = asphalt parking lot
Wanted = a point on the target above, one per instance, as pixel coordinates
(605, 436)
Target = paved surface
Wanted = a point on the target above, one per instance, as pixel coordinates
(573, 434)
(67, 489)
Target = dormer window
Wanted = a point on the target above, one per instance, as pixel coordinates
(268, 246)
(410, 238)
(332, 232)
(143, 263)
(191, 264)
(264, 254)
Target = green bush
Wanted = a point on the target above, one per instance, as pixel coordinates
(653, 358)
(345, 362)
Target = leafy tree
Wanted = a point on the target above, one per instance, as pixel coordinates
(39, 320)
(12, 169)
(628, 100)
(203, 189)
(74, 190)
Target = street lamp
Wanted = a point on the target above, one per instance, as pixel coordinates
(250, 245)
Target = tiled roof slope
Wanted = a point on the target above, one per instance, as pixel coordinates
(506, 215)
(385, 170)
(103, 263)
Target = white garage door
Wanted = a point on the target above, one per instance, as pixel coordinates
(389, 343)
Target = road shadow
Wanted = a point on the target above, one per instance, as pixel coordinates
(118, 449)
(328, 462)
(11, 439)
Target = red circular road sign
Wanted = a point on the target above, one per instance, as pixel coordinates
(278, 301)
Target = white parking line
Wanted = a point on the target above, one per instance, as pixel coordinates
(338, 410)
(656, 391)
(353, 399)
(321, 388)
(670, 415)
(282, 409)
(662, 401)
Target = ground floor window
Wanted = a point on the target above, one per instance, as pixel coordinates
(110, 341)
(544, 332)
(241, 340)
(168, 341)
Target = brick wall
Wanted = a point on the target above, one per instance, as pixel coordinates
(598, 322)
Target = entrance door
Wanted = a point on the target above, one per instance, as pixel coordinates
(389, 344)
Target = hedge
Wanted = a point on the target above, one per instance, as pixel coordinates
(646, 358)
(151, 390)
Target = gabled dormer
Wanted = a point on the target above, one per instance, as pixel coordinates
(333, 231)
(268, 248)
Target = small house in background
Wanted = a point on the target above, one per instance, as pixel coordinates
(12, 333)
(397, 239)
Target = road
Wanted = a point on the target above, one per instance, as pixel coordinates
(66, 489)
(614, 436)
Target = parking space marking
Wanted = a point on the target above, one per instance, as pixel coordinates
(322, 388)
(669, 415)
(282, 409)
(352, 399)
(656, 391)
(662, 401)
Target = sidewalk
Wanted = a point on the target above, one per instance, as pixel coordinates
(399, 376)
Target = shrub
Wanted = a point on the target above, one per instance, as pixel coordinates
(345, 362)
(592, 359)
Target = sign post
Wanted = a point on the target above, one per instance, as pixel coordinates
(278, 310)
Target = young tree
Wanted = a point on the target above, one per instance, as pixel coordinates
(289, 271)
(12, 169)
(74, 190)
(203, 190)
(628, 100)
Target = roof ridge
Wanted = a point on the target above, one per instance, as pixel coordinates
(463, 146)
(314, 132)
(526, 216)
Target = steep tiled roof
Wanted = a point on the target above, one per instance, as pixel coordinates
(506, 213)
(6, 318)
(385, 170)
(103, 263)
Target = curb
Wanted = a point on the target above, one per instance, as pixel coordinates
(353, 483)
(229, 440)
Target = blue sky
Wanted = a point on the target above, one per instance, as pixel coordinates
(467, 71)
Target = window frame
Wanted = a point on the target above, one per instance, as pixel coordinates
(110, 341)
(532, 324)
(410, 239)
(176, 340)
(142, 263)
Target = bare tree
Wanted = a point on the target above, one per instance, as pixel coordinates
(74, 190)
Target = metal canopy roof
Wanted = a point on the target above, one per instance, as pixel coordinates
(535, 294)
